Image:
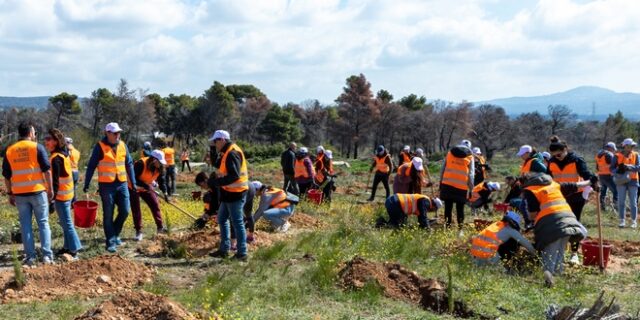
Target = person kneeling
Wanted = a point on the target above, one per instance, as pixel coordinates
(276, 205)
(400, 206)
(481, 195)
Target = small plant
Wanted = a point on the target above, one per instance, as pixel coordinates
(18, 275)
(174, 249)
(167, 218)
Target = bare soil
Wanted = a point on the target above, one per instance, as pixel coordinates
(137, 305)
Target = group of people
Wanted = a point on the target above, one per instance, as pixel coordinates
(303, 171)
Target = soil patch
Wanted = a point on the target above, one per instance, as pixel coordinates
(88, 278)
(399, 283)
(137, 305)
(626, 249)
(302, 220)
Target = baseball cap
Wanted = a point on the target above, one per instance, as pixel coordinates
(524, 149)
(147, 144)
(329, 154)
(417, 163)
(406, 148)
(494, 186)
(158, 154)
(476, 150)
(220, 134)
(112, 127)
(611, 145)
(546, 155)
(437, 202)
(68, 140)
(304, 150)
(628, 142)
(466, 143)
(320, 149)
(256, 184)
(420, 152)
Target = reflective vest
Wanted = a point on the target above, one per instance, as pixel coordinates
(319, 168)
(475, 194)
(147, 176)
(409, 202)
(568, 174)
(280, 199)
(485, 245)
(630, 160)
(456, 171)
(168, 156)
(381, 164)
(74, 156)
(184, 156)
(526, 166)
(406, 158)
(65, 184)
(26, 175)
(405, 169)
(300, 170)
(242, 184)
(551, 200)
(603, 166)
(112, 165)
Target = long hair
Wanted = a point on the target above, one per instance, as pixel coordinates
(57, 135)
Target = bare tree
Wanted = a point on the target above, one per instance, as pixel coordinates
(491, 128)
(356, 107)
(559, 118)
(530, 128)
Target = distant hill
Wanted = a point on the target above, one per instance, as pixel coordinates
(580, 100)
(24, 102)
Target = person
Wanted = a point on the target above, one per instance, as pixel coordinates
(515, 189)
(328, 174)
(27, 177)
(532, 160)
(249, 222)
(480, 195)
(210, 200)
(233, 180)
(401, 205)
(547, 156)
(74, 157)
(555, 223)
(275, 206)
(404, 156)
(410, 177)
(111, 157)
(382, 164)
(184, 158)
(456, 181)
(499, 241)
(146, 150)
(288, 164)
(481, 169)
(303, 169)
(625, 166)
(604, 158)
(567, 166)
(170, 170)
(148, 171)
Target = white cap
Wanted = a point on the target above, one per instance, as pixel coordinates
(493, 186)
(329, 154)
(147, 144)
(68, 140)
(220, 134)
(420, 152)
(476, 150)
(438, 202)
(112, 127)
(406, 148)
(546, 155)
(417, 163)
(304, 150)
(320, 149)
(256, 184)
(466, 143)
(524, 149)
(158, 154)
(628, 142)
(611, 145)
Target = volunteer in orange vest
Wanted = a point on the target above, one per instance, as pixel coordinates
(482, 167)
(481, 194)
(499, 241)
(304, 173)
(27, 178)
(532, 160)
(276, 206)
(115, 170)
(404, 156)
(74, 156)
(329, 175)
(555, 223)
(625, 166)
(148, 172)
(567, 166)
(604, 158)
(382, 164)
(547, 156)
(170, 169)
(320, 165)
(456, 181)
(184, 157)
(233, 180)
(410, 177)
(402, 205)
(146, 149)
(62, 177)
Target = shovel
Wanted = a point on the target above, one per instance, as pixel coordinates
(175, 206)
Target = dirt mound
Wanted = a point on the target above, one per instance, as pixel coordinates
(304, 221)
(401, 284)
(625, 249)
(95, 277)
(137, 305)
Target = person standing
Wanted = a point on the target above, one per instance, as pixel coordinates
(383, 164)
(28, 180)
(115, 170)
(304, 173)
(532, 160)
(456, 181)
(404, 156)
(184, 158)
(233, 180)
(481, 168)
(625, 166)
(170, 172)
(288, 164)
(604, 158)
(148, 171)
(74, 157)
(63, 190)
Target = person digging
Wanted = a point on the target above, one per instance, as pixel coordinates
(210, 200)
(276, 206)
(400, 206)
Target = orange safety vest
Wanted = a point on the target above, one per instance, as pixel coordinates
(319, 174)
(475, 194)
(147, 176)
(184, 156)
(74, 156)
(26, 175)
(381, 164)
(603, 166)
(409, 202)
(456, 171)
(485, 245)
(551, 200)
(568, 174)
(112, 165)
(405, 169)
(242, 184)
(526, 166)
(300, 170)
(406, 158)
(168, 156)
(630, 160)
(280, 199)
(65, 185)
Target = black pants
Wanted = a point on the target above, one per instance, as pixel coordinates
(508, 249)
(170, 179)
(327, 191)
(448, 210)
(377, 178)
(290, 184)
(188, 166)
(303, 188)
(576, 202)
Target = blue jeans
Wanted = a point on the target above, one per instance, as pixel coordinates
(232, 211)
(632, 191)
(278, 216)
(76, 177)
(35, 205)
(71, 240)
(606, 183)
(114, 194)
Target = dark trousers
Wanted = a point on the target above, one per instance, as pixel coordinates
(151, 199)
(303, 188)
(448, 211)
(576, 202)
(327, 191)
(377, 178)
(188, 166)
(170, 179)
(290, 184)
(606, 184)
(397, 217)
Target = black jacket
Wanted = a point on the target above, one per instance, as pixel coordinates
(288, 162)
(233, 163)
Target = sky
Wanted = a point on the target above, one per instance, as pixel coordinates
(297, 50)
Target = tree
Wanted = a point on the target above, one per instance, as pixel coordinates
(279, 125)
(413, 102)
(559, 117)
(240, 92)
(216, 109)
(162, 110)
(252, 112)
(101, 100)
(616, 128)
(491, 129)
(313, 119)
(530, 128)
(357, 109)
(183, 116)
(62, 105)
(384, 96)
(454, 122)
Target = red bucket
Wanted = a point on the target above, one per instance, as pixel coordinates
(84, 213)
(315, 196)
(501, 207)
(591, 253)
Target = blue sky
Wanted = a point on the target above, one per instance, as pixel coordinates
(297, 50)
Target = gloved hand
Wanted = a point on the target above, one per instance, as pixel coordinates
(52, 207)
(622, 168)
(594, 181)
(85, 189)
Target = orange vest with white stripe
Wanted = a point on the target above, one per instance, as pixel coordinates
(65, 184)
(381, 164)
(74, 157)
(112, 165)
(526, 166)
(603, 166)
(26, 175)
(630, 160)
(242, 183)
(409, 202)
(456, 171)
(475, 194)
(406, 158)
(485, 245)
(280, 199)
(568, 174)
(551, 200)
(300, 170)
(169, 154)
(147, 176)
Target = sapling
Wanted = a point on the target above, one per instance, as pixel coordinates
(17, 270)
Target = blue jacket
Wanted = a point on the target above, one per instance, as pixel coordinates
(96, 156)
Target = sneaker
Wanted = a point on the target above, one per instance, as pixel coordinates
(250, 239)
(74, 256)
(285, 227)
(219, 254)
(112, 249)
(138, 236)
(119, 242)
(47, 260)
(62, 251)
(622, 224)
(461, 234)
(163, 231)
(29, 262)
(574, 259)
(370, 199)
(548, 279)
(240, 257)
(634, 225)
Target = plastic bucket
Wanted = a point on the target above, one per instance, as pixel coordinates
(501, 207)
(591, 252)
(480, 224)
(315, 196)
(84, 213)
